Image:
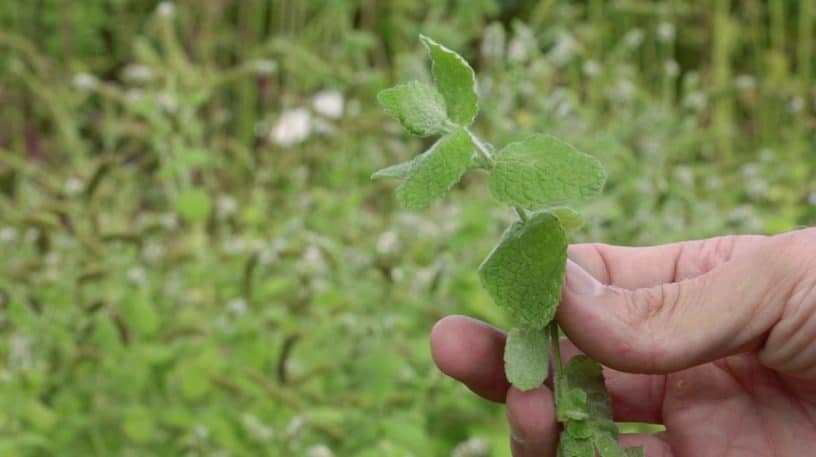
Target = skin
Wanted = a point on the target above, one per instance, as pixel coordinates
(716, 339)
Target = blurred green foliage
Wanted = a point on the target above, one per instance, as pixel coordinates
(195, 262)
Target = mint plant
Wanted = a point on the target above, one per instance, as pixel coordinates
(524, 273)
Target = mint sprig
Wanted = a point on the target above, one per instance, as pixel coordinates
(524, 273)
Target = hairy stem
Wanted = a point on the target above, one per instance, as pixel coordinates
(487, 156)
(556, 357)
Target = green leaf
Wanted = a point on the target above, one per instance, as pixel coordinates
(431, 174)
(574, 404)
(542, 171)
(570, 220)
(193, 205)
(525, 357)
(569, 446)
(400, 171)
(419, 107)
(456, 81)
(525, 272)
(578, 429)
(585, 374)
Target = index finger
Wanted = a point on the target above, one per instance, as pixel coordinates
(640, 267)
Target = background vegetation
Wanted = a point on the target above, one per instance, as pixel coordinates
(193, 260)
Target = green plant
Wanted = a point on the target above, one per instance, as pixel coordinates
(524, 273)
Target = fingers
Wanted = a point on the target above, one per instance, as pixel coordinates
(472, 352)
(533, 430)
(676, 325)
(637, 267)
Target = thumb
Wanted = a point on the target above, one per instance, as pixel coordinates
(676, 325)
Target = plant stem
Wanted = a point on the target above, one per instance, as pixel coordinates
(556, 357)
(485, 153)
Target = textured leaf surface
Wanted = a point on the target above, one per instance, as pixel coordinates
(525, 271)
(543, 171)
(569, 446)
(419, 107)
(456, 81)
(431, 174)
(570, 220)
(525, 357)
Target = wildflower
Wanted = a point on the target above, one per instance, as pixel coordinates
(744, 82)
(591, 68)
(564, 49)
(265, 67)
(226, 206)
(796, 105)
(493, 42)
(672, 68)
(473, 447)
(73, 186)
(812, 198)
(237, 307)
(169, 221)
(388, 242)
(166, 9)
(295, 426)
(167, 102)
(292, 128)
(137, 276)
(695, 100)
(85, 82)
(328, 103)
(137, 73)
(319, 450)
(633, 38)
(665, 32)
(8, 235)
(256, 428)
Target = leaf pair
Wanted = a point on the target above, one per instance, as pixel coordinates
(425, 110)
(584, 408)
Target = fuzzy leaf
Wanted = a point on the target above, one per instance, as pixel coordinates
(456, 81)
(570, 220)
(525, 271)
(419, 107)
(543, 171)
(431, 174)
(569, 446)
(525, 357)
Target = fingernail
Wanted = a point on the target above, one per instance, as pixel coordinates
(579, 282)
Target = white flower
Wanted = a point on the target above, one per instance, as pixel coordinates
(744, 82)
(591, 68)
(134, 95)
(388, 242)
(137, 276)
(167, 102)
(328, 103)
(633, 38)
(20, 351)
(265, 67)
(473, 447)
(8, 234)
(169, 221)
(665, 32)
(293, 127)
(85, 82)
(319, 450)
(257, 428)
(237, 306)
(672, 68)
(153, 251)
(226, 205)
(695, 100)
(796, 105)
(137, 73)
(564, 49)
(73, 186)
(623, 90)
(812, 198)
(166, 9)
(295, 426)
(493, 42)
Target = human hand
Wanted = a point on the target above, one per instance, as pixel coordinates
(715, 339)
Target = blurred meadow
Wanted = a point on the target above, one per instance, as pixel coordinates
(194, 261)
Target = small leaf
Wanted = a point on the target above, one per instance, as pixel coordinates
(574, 404)
(569, 446)
(525, 357)
(400, 170)
(542, 171)
(456, 81)
(570, 220)
(193, 205)
(419, 107)
(585, 374)
(431, 174)
(578, 429)
(525, 272)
